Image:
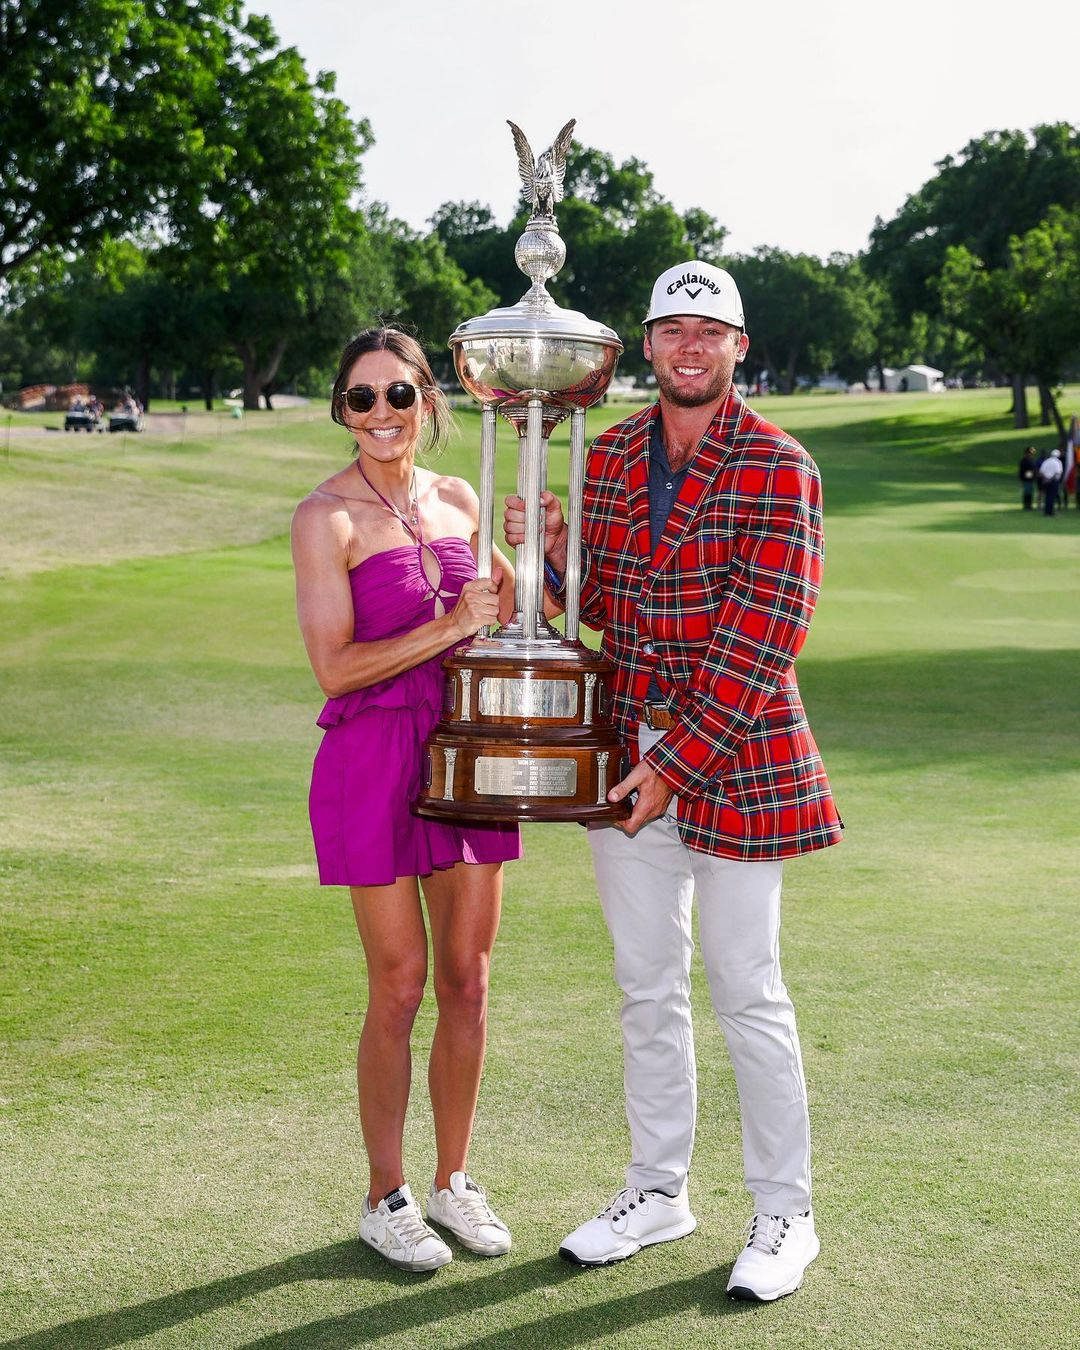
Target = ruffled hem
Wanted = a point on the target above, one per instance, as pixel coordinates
(366, 772)
(433, 846)
(413, 690)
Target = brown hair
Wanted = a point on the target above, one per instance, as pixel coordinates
(406, 349)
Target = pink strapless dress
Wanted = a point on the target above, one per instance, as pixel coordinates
(369, 766)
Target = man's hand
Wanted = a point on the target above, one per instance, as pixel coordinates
(653, 797)
(554, 528)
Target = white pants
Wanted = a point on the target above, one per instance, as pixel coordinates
(646, 887)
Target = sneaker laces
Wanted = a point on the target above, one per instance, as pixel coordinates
(630, 1197)
(474, 1206)
(765, 1232)
(408, 1226)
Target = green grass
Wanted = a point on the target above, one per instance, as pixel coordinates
(180, 1000)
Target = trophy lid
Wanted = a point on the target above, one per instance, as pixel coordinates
(536, 316)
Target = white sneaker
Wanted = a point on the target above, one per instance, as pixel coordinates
(634, 1219)
(396, 1228)
(774, 1260)
(464, 1209)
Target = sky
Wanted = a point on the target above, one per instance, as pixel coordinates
(794, 125)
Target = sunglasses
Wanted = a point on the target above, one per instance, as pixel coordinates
(361, 398)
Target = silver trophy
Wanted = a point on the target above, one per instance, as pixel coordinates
(526, 733)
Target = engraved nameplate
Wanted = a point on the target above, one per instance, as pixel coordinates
(527, 698)
(496, 776)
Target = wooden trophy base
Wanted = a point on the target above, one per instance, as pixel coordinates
(524, 738)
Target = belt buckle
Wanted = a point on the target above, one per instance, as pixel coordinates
(652, 709)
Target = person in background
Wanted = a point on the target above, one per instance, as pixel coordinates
(1028, 467)
(1050, 472)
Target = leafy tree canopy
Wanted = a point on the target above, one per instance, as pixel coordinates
(1023, 314)
(105, 109)
(1000, 185)
(276, 236)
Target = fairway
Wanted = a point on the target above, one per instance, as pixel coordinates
(179, 1156)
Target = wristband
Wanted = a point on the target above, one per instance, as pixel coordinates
(555, 583)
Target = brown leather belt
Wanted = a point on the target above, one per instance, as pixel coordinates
(656, 717)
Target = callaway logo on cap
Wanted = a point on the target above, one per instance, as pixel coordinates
(696, 288)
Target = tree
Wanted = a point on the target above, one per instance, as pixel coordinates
(1024, 313)
(127, 313)
(704, 236)
(277, 237)
(38, 340)
(110, 315)
(480, 248)
(1000, 185)
(104, 109)
(432, 294)
(798, 313)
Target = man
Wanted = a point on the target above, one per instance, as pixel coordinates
(1050, 473)
(702, 527)
(1028, 465)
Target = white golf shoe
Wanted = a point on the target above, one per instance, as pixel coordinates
(396, 1229)
(463, 1208)
(779, 1248)
(634, 1219)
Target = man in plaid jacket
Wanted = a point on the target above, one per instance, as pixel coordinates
(703, 538)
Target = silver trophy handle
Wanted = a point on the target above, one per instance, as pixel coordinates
(530, 560)
(575, 503)
(485, 527)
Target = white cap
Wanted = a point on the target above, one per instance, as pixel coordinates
(696, 288)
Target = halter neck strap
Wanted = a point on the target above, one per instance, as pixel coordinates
(418, 533)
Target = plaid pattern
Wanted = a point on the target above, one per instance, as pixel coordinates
(719, 614)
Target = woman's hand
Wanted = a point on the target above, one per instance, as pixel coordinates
(477, 605)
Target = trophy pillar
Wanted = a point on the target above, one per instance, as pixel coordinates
(485, 525)
(530, 554)
(575, 504)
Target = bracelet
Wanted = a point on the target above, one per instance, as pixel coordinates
(555, 583)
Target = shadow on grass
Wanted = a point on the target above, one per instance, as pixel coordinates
(1007, 519)
(998, 707)
(429, 1303)
(895, 461)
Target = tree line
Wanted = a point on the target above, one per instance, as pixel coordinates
(182, 207)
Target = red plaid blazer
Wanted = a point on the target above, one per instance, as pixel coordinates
(718, 614)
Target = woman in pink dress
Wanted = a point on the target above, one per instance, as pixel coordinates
(385, 558)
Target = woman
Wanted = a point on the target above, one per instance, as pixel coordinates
(386, 583)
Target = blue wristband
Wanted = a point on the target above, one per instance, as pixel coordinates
(555, 583)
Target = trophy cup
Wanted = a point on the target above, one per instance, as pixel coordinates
(526, 732)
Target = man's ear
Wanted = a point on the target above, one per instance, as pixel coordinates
(742, 349)
(646, 346)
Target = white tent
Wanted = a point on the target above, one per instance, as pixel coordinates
(920, 379)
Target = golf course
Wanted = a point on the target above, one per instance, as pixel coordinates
(180, 1158)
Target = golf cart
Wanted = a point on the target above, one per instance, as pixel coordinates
(125, 419)
(82, 419)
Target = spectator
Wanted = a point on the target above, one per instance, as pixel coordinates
(1028, 467)
(1050, 480)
